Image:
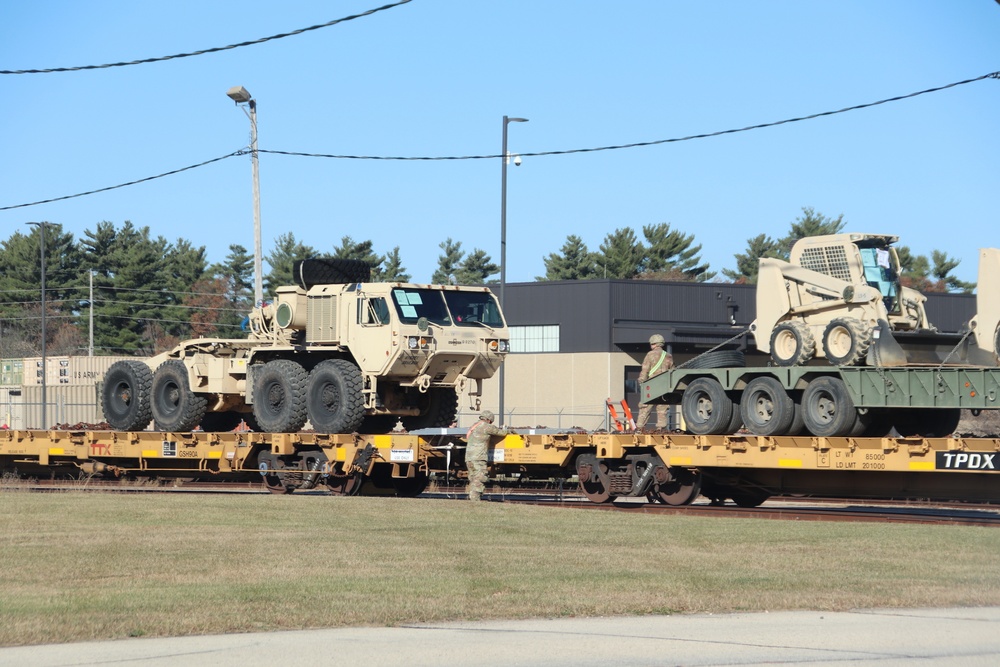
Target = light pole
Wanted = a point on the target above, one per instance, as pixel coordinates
(503, 235)
(41, 249)
(240, 95)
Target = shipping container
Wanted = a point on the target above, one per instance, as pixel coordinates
(67, 370)
(12, 407)
(56, 371)
(11, 372)
(65, 404)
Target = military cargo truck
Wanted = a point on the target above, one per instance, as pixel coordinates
(344, 355)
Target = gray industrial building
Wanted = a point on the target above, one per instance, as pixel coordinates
(575, 344)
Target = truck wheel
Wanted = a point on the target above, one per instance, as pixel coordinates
(766, 407)
(334, 397)
(125, 396)
(846, 341)
(279, 397)
(706, 407)
(175, 407)
(442, 407)
(827, 408)
(792, 344)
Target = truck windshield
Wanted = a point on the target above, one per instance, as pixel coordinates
(414, 303)
(472, 309)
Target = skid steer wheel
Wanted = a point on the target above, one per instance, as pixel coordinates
(792, 344)
(279, 397)
(334, 397)
(707, 409)
(125, 395)
(175, 406)
(846, 341)
(828, 411)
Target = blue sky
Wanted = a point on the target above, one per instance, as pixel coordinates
(435, 78)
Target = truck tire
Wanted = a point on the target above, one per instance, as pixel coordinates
(766, 407)
(330, 271)
(175, 407)
(442, 407)
(926, 422)
(827, 409)
(279, 397)
(334, 398)
(846, 341)
(125, 396)
(792, 344)
(706, 407)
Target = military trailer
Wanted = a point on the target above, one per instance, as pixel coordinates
(345, 356)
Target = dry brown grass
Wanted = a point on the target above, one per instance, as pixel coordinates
(82, 566)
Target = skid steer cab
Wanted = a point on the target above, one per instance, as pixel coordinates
(335, 351)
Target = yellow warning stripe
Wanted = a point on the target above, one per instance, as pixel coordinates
(922, 465)
(679, 461)
(56, 451)
(789, 463)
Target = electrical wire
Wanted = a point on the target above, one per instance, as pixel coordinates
(211, 50)
(244, 151)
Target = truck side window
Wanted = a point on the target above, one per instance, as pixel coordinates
(374, 311)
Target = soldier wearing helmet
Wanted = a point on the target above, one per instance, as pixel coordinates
(657, 361)
(477, 442)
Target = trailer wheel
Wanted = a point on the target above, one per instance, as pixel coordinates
(279, 393)
(846, 341)
(792, 344)
(706, 407)
(125, 395)
(334, 397)
(827, 408)
(766, 407)
(175, 407)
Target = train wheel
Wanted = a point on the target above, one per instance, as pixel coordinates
(846, 341)
(410, 487)
(271, 474)
(175, 407)
(345, 485)
(279, 392)
(706, 407)
(334, 397)
(682, 488)
(125, 396)
(749, 497)
(592, 474)
(827, 408)
(766, 407)
(792, 344)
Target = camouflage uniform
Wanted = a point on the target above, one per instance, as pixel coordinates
(657, 361)
(477, 442)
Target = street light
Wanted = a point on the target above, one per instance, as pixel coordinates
(503, 234)
(240, 95)
(41, 249)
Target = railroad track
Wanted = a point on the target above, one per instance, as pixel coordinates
(777, 508)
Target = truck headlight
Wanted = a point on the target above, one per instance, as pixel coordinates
(419, 342)
(498, 346)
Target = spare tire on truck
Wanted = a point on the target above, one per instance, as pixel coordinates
(330, 271)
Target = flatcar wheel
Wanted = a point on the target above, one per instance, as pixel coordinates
(345, 485)
(682, 489)
(591, 474)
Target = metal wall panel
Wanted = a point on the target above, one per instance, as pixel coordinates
(65, 404)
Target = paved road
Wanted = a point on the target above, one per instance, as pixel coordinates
(886, 638)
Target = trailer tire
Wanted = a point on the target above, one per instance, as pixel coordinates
(766, 407)
(279, 397)
(125, 396)
(927, 423)
(827, 408)
(175, 407)
(706, 407)
(792, 344)
(334, 397)
(846, 341)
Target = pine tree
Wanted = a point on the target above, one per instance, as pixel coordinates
(810, 223)
(348, 249)
(282, 261)
(449, 262)
(943, 266)
(621, 254)
(671, 252)
(575, 262)
(748, 263)
(476, 268)
(394, 271)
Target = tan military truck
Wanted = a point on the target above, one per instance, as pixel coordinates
(346, 356)
(839, 298)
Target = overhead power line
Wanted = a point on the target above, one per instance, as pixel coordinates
(211, 50)
(244, 151)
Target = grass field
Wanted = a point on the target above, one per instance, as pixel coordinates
(78, 566)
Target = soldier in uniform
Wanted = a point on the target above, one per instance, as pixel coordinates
(477, 441)
(657, 361)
